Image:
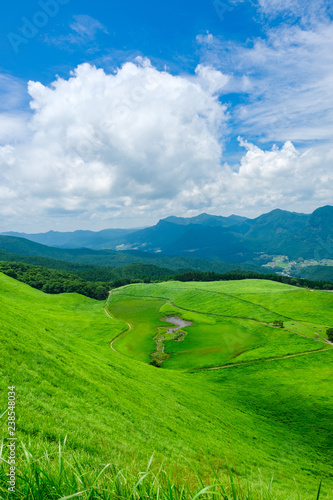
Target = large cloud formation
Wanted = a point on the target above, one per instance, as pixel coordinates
(101, 142)
(140, 144)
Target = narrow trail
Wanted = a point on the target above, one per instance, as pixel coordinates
(323, 340)
(251, 362)
(122, 333)
(222, 367)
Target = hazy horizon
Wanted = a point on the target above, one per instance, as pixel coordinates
(147, 225)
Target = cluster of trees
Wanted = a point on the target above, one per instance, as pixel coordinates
(84, 280)
(329, 333)
(53, 281)
(93, 272)
(242, 275)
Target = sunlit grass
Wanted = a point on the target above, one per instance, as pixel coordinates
(115, 410)
(60, 475)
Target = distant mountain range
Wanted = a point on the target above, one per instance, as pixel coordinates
(224, 239)
(76, 239)
(236, 239)
(177, 242)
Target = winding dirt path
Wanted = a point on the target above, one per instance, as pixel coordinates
(251, 362)
(122, 333)
(323, 340)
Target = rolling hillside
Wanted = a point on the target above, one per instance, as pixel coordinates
(233, 322)
(23, 250)
(274, 416)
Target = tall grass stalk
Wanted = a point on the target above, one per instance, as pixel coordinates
(60, 476)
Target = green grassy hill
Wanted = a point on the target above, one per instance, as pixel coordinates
(233, 322)
(261, 419)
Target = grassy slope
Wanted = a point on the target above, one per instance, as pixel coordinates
(143, 317)
(228, 320)
(55, 349)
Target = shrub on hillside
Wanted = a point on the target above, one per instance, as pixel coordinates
(329, 333)
(156, 363)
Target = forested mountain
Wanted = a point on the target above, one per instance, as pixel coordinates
(236, 239)
(207, 220)
(172, 241)
(14, 249)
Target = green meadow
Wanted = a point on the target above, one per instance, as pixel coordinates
(233, 322)
(90, 417)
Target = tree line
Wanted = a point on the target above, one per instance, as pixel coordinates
(242, 275)
(84, 281)
(57, 281)
(53, 281)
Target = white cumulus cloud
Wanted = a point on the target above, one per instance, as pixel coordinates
(108, 142)
(140, 144)
(276, 178)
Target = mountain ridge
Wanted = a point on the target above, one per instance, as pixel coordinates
(232, 239)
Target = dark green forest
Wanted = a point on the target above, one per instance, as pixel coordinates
(92, 281)
(96, 281)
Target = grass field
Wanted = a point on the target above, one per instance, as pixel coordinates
(232, 321)
(263, 419)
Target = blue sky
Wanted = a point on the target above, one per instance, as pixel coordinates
(115, 114)
(163, 31)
